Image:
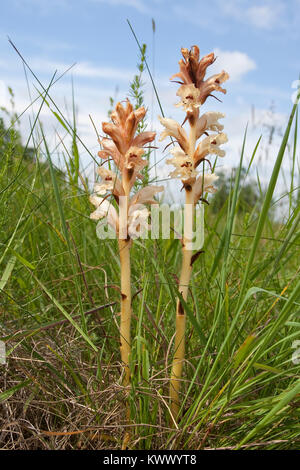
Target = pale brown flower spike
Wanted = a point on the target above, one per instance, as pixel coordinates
(187, 156)
(126, 150)
(195, 90)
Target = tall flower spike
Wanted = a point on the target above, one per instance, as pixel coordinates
(186, 157)
(131, 219)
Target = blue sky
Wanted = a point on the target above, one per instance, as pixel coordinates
(257, 42)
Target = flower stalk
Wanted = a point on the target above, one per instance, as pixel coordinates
(185, 276)
(194, 91)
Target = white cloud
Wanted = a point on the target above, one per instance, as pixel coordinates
(236, 63)
(265, 14)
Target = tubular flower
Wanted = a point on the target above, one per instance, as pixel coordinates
(138, 218)
(210, 145)
(193, 92)
(191, 69)
(212, 84)
(190, 97)
(104, 209)
(192, 72)
(146, 194)
(127, 150)
(186, 162)
(136, 209)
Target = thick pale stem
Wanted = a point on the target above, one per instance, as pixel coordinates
(186, 271)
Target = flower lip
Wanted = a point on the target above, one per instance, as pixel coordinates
(213, 84)
(210, 145)
(209, 121)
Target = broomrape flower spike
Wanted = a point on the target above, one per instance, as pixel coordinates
(186, 157)
(130, 216)
(194, 89)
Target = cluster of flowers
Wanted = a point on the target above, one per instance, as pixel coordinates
(126, 149)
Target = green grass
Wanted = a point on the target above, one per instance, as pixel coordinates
(59, 304)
